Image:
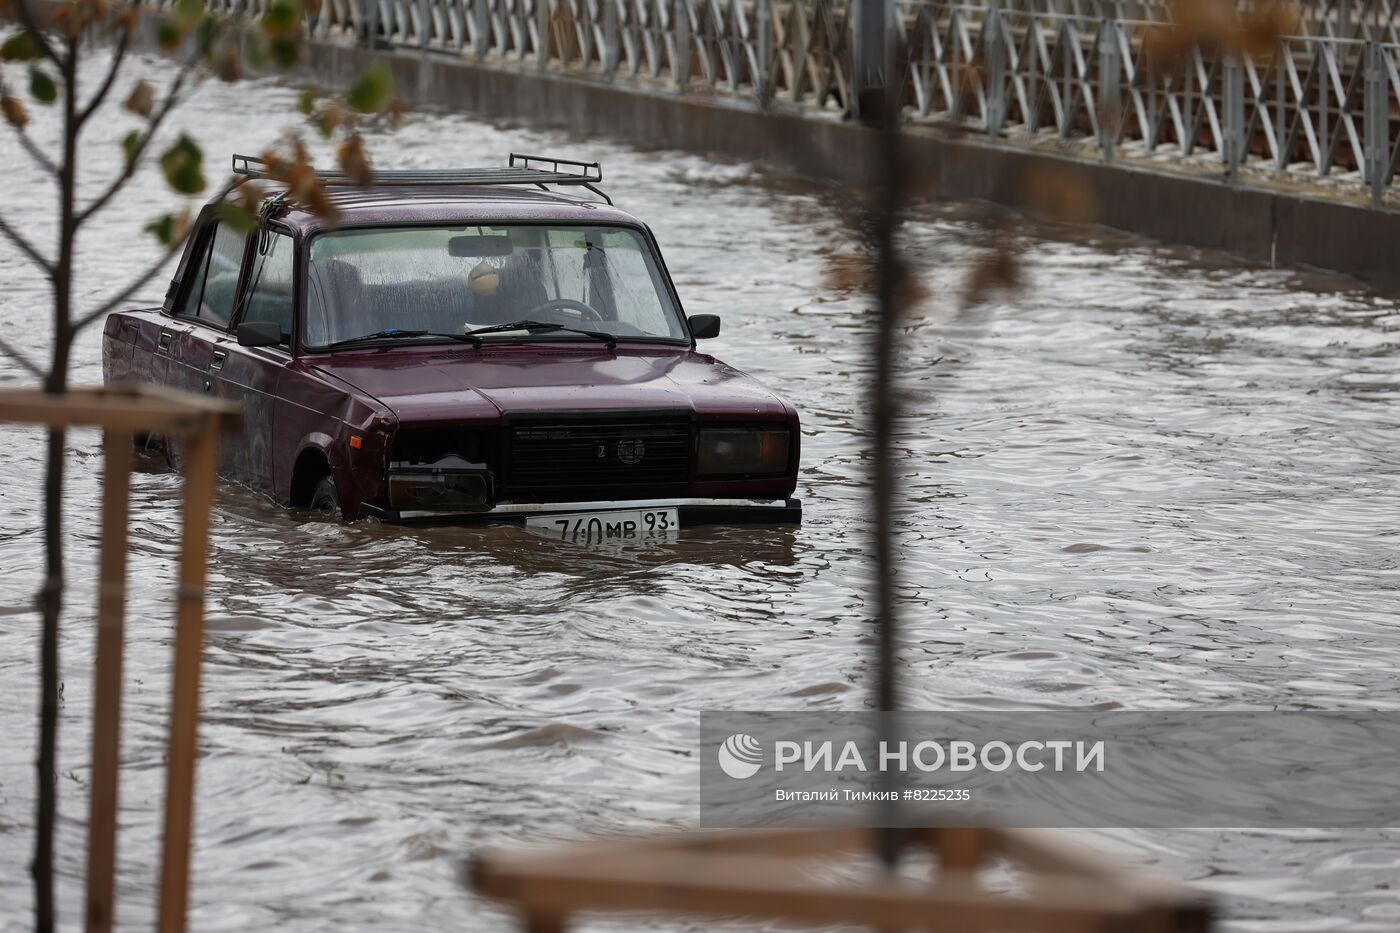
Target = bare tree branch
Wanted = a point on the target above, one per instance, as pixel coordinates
(35, 153)
(105, 88)
(29, 366)
(24, 246)
(157, 118)
(25, 140)
(140, 281)
(31, 26)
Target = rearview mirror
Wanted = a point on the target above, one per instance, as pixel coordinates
(259, 334)
(704, 326)
(472, 246)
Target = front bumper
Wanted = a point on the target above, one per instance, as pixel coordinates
(691, 512)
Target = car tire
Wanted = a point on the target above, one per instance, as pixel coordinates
(325, 500)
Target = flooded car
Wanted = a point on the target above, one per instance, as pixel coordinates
(469, 345)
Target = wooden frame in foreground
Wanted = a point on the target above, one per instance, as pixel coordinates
(123, 414)
(759, 874)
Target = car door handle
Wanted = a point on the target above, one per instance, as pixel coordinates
(216, 361)
(163, 344)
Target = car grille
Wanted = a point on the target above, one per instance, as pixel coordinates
(570, 457)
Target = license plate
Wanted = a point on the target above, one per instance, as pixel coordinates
(596, 527)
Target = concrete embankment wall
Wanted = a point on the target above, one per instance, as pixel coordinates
(1271, 227)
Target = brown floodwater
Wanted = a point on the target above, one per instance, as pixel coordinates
(1156, 478)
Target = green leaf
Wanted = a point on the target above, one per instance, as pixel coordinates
(371, 93)
(129, 145)
(20, 47)
(255, 51)
(281, 19)
(42, 86)
(189, 12)
(307, 102)
(168, 35)
(163, 229)
(183, 165)
(237, 216)
(207, 36)
(285, 52)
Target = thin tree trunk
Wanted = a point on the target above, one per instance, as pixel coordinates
(886, 189)
(51, 595)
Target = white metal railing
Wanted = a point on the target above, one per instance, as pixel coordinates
(1325, 103)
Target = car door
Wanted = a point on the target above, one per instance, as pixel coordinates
(157, 337)
(194, 342)
(249, 375)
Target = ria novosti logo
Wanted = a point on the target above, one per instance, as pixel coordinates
(740, 756)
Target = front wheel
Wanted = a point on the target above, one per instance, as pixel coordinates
(325, 500)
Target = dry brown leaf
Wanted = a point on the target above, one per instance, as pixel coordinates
(229, 66)
(353, 161)
(998, 271)
(142, 99)
(1058, 192)
(14, 112)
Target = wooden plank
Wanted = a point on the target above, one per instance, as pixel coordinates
(776, 842)
(128, 410)
(717, 886)
(1053, 852)
(107, 688)
(201, 460)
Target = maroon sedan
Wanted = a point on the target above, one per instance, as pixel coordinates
(466, 345)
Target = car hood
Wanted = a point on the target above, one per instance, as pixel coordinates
(436, 384)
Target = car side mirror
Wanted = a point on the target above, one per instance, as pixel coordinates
(259, 334)
(704, 326)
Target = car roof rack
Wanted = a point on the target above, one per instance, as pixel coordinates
(522, 170)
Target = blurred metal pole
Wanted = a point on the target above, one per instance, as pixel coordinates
(680, 66)
(887, 180)
(483, 28)
(763, 32)
(1233, 143)
(611, 51)
(872, 23)
(996, 72)
(1110, 95)
(1377, 115)
(542, 33)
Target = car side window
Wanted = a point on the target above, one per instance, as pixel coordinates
(221, 268)
(194, 275)
(270, 291)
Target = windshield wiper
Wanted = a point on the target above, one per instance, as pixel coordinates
(391, 333)
(532, 326)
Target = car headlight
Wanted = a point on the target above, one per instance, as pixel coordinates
(734, 451)
(451, 484)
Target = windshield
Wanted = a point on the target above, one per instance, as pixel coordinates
(450, 280)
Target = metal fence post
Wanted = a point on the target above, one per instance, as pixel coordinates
(762, 35)
(542, 33)
(871, 22)
(1110, 102)
(1232, 148)
(372, 28)
(423, 23)
(611, 51)
(996, 72)
(1322, 60)
(1280, 106)
(1377, 108)
(483, 27)
(681, 66)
